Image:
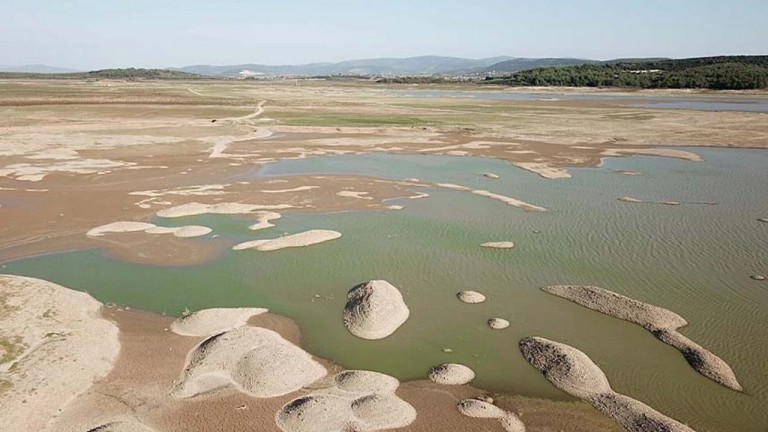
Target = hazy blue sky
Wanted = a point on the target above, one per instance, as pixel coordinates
(91, 34)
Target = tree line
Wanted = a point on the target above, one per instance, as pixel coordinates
(716, 73)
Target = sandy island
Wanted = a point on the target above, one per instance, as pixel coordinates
(573, 372)
(499, 245)
(374, 310)
(302, 239)
(470, 297)
(451, 374)
(661, 322)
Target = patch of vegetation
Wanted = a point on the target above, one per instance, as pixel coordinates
(414, 80)
(5, 386)
(715, 73)
(351, 121)
(630, 116)
(10, 349)
(4, 306)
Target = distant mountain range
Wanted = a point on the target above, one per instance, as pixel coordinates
(376, 67)
(36, 68)
(425, 65)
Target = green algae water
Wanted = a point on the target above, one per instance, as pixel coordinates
(695, 259)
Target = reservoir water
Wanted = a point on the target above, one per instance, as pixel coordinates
(698, 102)
(695, 259)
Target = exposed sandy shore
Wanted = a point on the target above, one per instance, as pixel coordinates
(195, 208)
(131, 150)
(663, 323)
(374, 310)
(664, 152)
(573, 372)
(482, 409)
(264, 220)
(56, 219)
(256, 361)
(127, 227)
(545, 170)
(134, 395)
(53, 345)
(302, 239)
(208, 322)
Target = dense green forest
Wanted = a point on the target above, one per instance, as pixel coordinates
(129, 73)
(716, 73)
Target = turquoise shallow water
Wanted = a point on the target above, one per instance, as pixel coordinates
(693, 259)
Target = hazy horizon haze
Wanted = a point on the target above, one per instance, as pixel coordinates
(88, 34)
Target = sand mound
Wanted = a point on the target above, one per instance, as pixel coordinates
(499, 245)
(544, 170)
(207, 322)
(512, 423)
(296, 189)
(354, 194)
(183, 232)
(374, 310)
(126, 227)
(470, 297)
(664, 152)
(484, 193)
(482, 409)
(574, 372)
(508, 200)
(306, 238)
(355, 401)
(122, 426)
(567, 368)
(669, 203)
(54, 344)
(257, 361)
(195, 208)
(661, 322)
(451, 374)
(120, 227)
(491, 175)
(498, 323)
(263, 220)
(628, 172)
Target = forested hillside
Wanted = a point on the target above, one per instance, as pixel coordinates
(717, 73)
